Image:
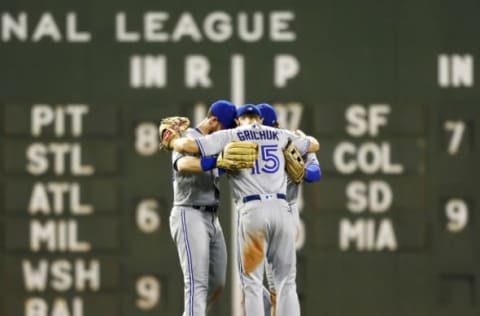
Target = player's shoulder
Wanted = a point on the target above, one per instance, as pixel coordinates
(192, 132)
(286, 131)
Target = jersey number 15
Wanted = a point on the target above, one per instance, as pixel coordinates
(270, 161)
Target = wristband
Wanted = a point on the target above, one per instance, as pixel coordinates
(208, 163)
(313, 173)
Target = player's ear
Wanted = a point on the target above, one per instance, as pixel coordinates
(237, 122)
(215, 124)
(212, 120)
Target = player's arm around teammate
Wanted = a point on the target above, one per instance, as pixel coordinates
(190, 145)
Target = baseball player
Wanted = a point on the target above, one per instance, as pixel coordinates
(312, 174)
(194, 223)
(264, 218)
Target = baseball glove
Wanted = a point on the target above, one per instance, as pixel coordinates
(294, 163)
(171, 128)
(238, 155)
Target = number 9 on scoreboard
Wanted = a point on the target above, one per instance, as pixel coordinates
(456, 212)
(148, 291)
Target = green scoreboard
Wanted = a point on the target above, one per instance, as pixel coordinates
(390, 89)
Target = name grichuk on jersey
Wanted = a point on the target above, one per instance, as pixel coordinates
(194, 188)
(268, 176)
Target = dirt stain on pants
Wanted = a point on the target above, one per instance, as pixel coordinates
(253, 252)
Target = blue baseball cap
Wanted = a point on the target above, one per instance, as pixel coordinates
(224, 111)
(268, 113)
(248, 108)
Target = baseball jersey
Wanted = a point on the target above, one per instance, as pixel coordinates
(194, 188)
(265, 177)
(292, 187)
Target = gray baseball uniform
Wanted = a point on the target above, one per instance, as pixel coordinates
(264, 217)
(197, 233)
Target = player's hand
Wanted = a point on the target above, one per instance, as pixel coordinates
(310, 138)
(300, 133)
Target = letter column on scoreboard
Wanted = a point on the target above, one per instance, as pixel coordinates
(368, 214)
(60, 209)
